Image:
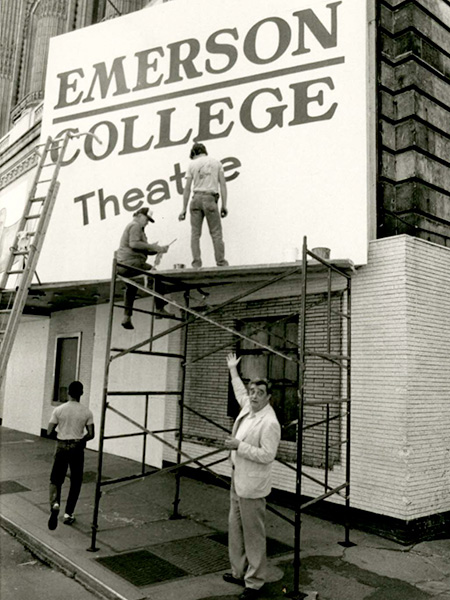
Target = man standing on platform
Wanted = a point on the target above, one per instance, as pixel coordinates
(253, 443)
(205, 175)
(74, 425)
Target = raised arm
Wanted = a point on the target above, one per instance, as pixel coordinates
(239, 388)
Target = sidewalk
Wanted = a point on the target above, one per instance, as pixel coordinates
(145, 555)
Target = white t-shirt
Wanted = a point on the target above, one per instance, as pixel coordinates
(71, 420)
(204, 171)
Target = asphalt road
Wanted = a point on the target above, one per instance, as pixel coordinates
(24, 577)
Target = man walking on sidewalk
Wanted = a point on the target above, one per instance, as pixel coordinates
(205, 175)
(74, 425)
(253, 444)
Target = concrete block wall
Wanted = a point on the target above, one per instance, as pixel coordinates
(379, 381)
(414, 119)
(428, 386)
(401, 380)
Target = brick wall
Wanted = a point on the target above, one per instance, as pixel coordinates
(207, 380)
(414, 119)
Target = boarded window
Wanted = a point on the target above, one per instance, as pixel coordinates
(256, 362)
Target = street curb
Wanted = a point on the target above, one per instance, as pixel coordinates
(53, 558)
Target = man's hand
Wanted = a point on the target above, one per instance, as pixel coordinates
(232, 361)
(224, 212)
(232, 443)
(182, 215)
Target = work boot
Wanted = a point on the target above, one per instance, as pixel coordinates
(127, 324)
(162, 312)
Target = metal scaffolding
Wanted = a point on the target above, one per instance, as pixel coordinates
(151, 281)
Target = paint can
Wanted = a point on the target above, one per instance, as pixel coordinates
(322, 253)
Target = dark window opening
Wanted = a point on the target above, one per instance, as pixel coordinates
(280, 333)
(66, 367)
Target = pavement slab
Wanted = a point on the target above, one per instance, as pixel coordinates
(136, 515)
(436, 587)
(151, 533)
(405, 565)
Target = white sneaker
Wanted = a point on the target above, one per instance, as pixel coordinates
(68, 519)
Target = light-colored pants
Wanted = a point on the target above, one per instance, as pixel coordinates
(247, 539)
(204, 205)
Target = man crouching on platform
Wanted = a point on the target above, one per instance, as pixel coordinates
(133, 251)
(253, 443)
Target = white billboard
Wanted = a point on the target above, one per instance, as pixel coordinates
(278, 90)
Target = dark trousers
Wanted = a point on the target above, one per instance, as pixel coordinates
(131, 290)
(69, 453)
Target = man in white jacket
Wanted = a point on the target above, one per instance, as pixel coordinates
(253, 444)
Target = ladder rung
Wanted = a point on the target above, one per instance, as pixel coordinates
(42, 200)
(55, 143)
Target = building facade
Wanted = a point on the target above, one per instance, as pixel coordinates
(400, 481)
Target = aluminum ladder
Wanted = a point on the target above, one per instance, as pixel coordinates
(24, 253)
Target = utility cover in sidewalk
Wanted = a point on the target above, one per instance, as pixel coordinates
(141, 568)
(274, 547)
(12, 487)
(196, 555)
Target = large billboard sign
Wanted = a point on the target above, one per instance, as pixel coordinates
(277, 90)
